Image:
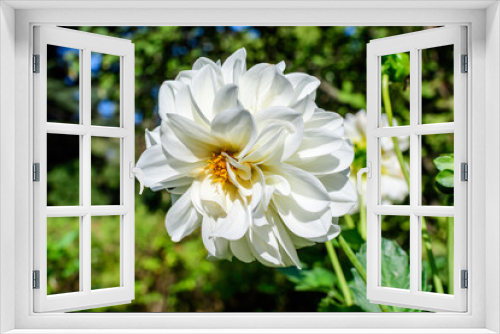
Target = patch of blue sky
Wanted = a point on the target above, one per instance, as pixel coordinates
(106, 108)
(350, 31)
(95, 61)
(178, 50)
(64, 52)
(138, 117)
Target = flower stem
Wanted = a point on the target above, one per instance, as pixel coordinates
(388, 111)
(337, 268)
(425, 235)
(362, 217)
(426, 239)
(349, 222)
(352, 257)
(357, 265)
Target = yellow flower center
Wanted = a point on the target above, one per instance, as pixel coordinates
(217, 167)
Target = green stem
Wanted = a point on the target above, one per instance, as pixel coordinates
(362, 217)
(426, 239)
(337, 268)
(352, 257)
(450, 243)
(388, 111)
(359, 267)
(349, 222)
(425, 236)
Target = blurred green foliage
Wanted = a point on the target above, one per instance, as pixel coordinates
(177, 277)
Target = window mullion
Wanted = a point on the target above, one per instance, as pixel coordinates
(85, 248)
(415, 81)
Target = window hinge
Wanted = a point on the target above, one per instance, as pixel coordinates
(36, 279)
(464, 171)
(36, 63)
(464, 279)
(465, 64)
(36, 172)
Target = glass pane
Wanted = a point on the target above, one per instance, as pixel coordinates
(437, 254)
(437, 169)
(63, 255)
(63, 170)
(105, 252)
(105, 183)
(395, 170)
(437, 85)
(63, 82)
(395, 89)
(395, 247)
(105, 89)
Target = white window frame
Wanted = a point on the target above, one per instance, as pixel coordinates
(17, 19)
(86, 43)
(413, 43)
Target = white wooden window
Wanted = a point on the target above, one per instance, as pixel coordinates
(81, 129)
(417, 211)
(17, 20)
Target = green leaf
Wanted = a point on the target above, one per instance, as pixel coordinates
(444, 162)
(397, 66)
(316, 279)
(395, 265)
(445, 181)
(395, 273)
(358, 288)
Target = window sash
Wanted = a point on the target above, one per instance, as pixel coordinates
(86, 297)
(413, 43)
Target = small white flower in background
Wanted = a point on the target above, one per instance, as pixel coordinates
(394, 188)
(253, 161)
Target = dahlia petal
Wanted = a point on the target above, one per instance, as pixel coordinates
(158, 173)
(333, 232)
(291, 121)
(325, 121)
(204, 86)
(211, 198)
(182, 219)
(306, 106)
(153, 137)
(186, 140)
(283, 238)
(317, 143)
(269, 143)
(249, 84)
(185, 102)
(258, 188)
(274, 89)
(303, 223)
(306, 190)
(236, 129)
(342, 192)
(186, 77)
(279, 183)
(303, 84)
(234, 66)
(203, 61)
(216, 247)
(235, 224)
(166, 98)
(264, 245)
(241, 249)
(327, 164)
(226, 98)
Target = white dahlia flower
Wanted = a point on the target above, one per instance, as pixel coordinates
(253, 161)
(394, 187)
